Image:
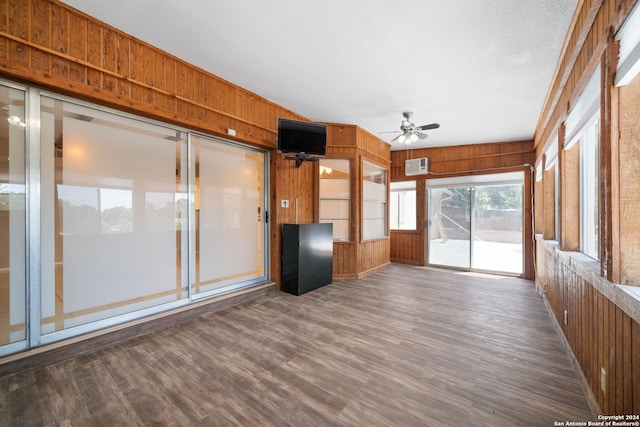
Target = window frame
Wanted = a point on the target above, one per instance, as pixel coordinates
(589, 140)
(395, 221)
(369, 199)
(348, 199)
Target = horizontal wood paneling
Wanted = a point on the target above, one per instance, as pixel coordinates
(600, 333)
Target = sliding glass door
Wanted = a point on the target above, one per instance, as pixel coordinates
(114, 198)
(497, 227)
(230, 227)
(476, 222)
(106, 217)
(450, 226)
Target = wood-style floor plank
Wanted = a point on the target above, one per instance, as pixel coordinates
(407, 346)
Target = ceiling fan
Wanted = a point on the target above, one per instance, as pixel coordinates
(410, 132)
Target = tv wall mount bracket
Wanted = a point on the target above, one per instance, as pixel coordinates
(301, 158)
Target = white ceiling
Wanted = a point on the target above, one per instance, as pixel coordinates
(479, 68)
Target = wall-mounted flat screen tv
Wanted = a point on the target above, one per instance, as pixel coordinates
(303, 138)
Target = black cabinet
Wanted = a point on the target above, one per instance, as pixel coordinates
(307, 257)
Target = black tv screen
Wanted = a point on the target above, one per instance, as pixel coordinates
(304, 138)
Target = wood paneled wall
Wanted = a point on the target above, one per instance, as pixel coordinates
(602, 335)
(602, 327)
(629, 178)
(357, 258)
(592, 26)
(410, 246)
(51, 45)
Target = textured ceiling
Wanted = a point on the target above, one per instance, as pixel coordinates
(479, 68)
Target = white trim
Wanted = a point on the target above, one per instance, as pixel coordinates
(474, 180)
(402, 185)
(589, 196)
(551, 155)
(583, 110)
(629, 55)
(539, 172)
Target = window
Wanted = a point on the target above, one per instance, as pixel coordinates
(402, 206)
(583, 129)
(335, 196)
(589, 189)
(629, 54)
(374, 200)
(551, 213)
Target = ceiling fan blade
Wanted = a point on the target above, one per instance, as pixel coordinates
(422, 135)
(396, 138)
(389, 131)
(427, 127)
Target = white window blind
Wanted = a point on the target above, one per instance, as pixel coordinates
(629, 55)
(583, 110)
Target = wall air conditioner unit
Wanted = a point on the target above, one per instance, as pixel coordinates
(416, 166)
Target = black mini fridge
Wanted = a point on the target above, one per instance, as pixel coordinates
(307, 257)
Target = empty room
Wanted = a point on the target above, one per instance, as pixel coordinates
(299, 213)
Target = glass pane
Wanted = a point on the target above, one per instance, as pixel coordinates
(334, 209)
(335, 188)
(335, 196)
(497, 228)
(12, 217)
(229, 226)
(112, 200)
(340, 228)
(334, 168)
(402, 210)
(449, 226)
(589, 195)
(374, 206)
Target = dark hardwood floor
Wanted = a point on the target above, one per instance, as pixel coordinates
(407, 346)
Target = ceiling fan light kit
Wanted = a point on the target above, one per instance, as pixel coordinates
(410, 132)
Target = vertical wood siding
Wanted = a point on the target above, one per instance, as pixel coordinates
(49, 43)
(592, 26)
(410, 247)
(357, 258)
(602, 326)
(600, 333)
(629, 176)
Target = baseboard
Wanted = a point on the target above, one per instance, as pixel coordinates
(360, 275)
(406, 261)
(373, 270)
